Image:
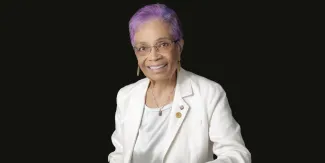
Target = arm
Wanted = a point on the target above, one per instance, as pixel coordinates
(117, 155)
(225, 132)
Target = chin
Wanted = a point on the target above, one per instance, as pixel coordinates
(158, 77)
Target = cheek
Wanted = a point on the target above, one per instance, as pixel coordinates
(174, 57)
(140, 59)
(176, 54)
(173, 62)
(142, 63)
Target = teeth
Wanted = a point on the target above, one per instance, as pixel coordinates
(156, 67)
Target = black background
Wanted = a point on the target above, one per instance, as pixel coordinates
(69, 59)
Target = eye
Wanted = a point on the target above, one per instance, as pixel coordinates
(141, 49)
(164, 44)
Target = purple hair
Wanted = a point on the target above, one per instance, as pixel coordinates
(159, 11)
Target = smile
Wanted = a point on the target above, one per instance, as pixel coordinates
(157, 67)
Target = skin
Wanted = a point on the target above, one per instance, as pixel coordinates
(163, 81)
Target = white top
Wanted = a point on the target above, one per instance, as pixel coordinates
(149, 144)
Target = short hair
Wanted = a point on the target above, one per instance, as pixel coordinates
(159, 11)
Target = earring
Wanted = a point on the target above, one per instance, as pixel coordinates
(179, 66)
(138, 71)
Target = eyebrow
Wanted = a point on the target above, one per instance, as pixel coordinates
(159, 39)
(162, 38)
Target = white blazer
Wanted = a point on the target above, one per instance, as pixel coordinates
(206, 125)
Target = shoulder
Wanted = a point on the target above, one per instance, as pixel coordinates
(211, 93)
(205, 85)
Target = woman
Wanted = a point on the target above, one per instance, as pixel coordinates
(172, 115)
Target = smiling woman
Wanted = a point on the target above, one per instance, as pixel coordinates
(155, 33)
(172, 115)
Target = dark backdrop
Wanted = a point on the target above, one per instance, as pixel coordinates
(73, 57)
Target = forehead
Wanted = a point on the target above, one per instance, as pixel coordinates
(152, 31)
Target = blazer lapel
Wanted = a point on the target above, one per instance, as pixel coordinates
(179, 108)
(133, 120)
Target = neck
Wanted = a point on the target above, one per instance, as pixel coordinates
(164, 85)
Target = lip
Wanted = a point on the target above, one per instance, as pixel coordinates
(157, 65)
(157, 69)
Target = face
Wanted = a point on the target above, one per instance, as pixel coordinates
(156, 51)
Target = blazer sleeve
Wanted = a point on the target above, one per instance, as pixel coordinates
(224, 131)
(117, 155)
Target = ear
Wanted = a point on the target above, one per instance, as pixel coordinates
(181, 45)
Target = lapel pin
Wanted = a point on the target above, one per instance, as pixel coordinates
(178, 114)
(181, 107)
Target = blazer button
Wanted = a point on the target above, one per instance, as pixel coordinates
(178, 114)
(181, 107)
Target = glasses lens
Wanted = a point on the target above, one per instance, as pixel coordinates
(164, 46)
(141, 50)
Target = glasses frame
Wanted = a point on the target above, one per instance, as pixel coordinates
(155, 46)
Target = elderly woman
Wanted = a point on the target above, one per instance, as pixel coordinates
(172, 115)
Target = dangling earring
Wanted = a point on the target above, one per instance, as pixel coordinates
(138, 71)
(179, 66)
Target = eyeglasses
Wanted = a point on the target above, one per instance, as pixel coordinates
(163, 46)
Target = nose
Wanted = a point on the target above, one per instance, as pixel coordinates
(154, 54)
